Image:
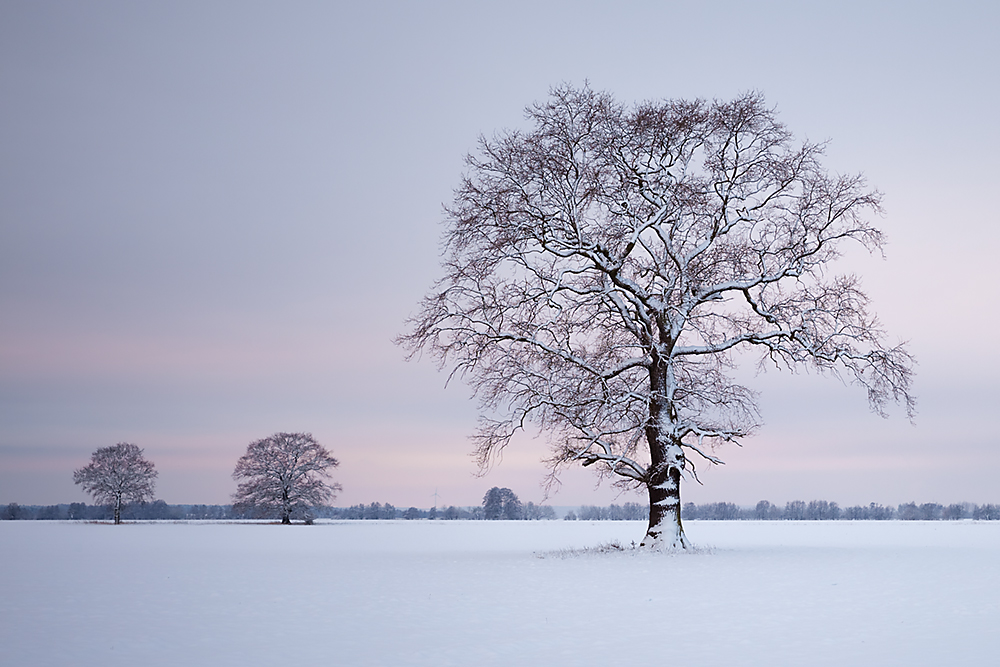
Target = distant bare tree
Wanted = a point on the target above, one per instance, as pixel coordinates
(605, 269)
(118, 475)
(283, 476)
(533, 512)
(765, 511)
(501, 504)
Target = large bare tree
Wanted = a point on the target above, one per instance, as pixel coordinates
(118, 475)
(605, 269)
(284, 475)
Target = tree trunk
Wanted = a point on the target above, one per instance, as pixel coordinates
(286, 508)
(118, 511)
(666, 459)
(665, 530)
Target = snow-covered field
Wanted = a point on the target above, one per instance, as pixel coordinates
(498, 593)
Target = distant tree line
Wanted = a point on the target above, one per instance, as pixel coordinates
(375, 511)
(821, 510)
(156, 510)
(497, 504)
(160, 510)
(626, 512)
(796, 510)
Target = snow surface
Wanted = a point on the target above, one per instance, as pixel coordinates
(498, 593)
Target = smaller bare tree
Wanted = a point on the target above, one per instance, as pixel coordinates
(283, 476)
(116, 476)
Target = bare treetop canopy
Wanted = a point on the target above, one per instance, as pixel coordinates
(603, 268)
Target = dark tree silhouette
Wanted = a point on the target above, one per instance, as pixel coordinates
(284, 476)
(604, 268)
(501, 504)
(117, 475)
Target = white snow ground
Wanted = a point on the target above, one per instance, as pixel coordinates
(497, 593)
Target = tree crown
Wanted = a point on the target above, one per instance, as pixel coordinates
(118, 474)
(603, 268)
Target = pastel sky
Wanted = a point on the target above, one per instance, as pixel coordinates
(215, 217)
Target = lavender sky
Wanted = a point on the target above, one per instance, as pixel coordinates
(215, 217)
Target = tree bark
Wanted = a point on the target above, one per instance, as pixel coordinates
(286, 508)
(665, 530)
(666, 460)
(118, 510)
